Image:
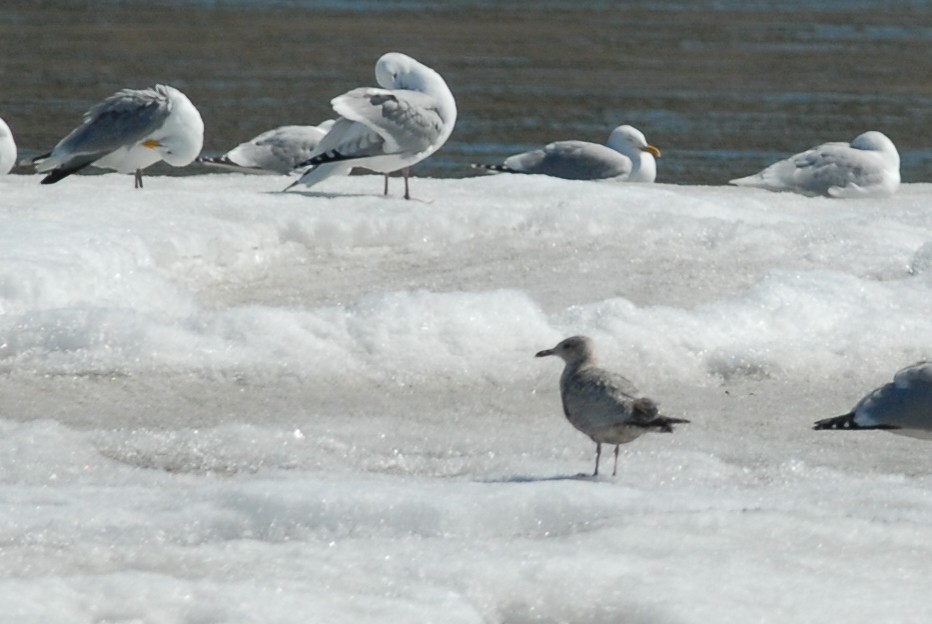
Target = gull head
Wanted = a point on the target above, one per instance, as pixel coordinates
(629, 141)
(180, 139)
(876, 142)
(572, 350)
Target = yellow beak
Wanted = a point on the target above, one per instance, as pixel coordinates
(651, 150)
(151, 144)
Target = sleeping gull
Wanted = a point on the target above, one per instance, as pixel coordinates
(276, 151)
(7, 149)
(626, 157)
(868, 166)
(127, 132)
(386, 129)
(903, 406)
(601, 404)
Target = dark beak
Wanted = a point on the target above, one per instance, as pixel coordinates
(544, 353)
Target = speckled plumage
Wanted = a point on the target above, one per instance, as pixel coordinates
(602, 404)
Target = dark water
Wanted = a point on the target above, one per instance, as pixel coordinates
(722, 87)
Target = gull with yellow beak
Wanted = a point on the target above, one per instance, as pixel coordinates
(626, 157)
(127, 132)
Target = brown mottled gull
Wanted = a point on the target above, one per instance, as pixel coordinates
(601, 404)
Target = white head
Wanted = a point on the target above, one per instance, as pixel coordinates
(7, 149)
(631, 142)
(395, 70)
(572, 350)
(180, 140)
(877, 142)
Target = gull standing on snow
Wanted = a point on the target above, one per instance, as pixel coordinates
(386, 129)
(869, 166)
(127, 132)
(626, 157)
(903, 406)
(7, 149)
(276, 151)
(601, 404)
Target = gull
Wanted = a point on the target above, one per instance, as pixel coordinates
(127, 132)
(903, 406)
(385, 129)
(603, 405)
(626, 157)
(7, 149)
(279, 150)
(869, 166)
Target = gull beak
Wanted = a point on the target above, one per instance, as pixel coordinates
(650, 149)
(544, 353)
(151, 144)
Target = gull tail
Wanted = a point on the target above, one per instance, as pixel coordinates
(499, 168)
(223, 162)
(646, 414)
(846, 422)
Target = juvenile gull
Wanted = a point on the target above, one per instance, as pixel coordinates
(869, 166)
(127, 132)
(386, 129)
(601, 404)
(626, 157)
(275, 151)
(903, 406)
(7, 149)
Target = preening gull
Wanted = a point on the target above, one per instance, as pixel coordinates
(275, 151)
(601, 404)
(127, 132)
(386, 129)
(903, 406)
(626, 157)
(869, 166)
(7, 149)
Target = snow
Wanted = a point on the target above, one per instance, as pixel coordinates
(222, 403)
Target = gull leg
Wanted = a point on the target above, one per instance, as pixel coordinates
(386, 184)
(615, 469)
(406, 172)
(598, 456)
(138, 179)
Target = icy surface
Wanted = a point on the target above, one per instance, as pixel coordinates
(222, 403)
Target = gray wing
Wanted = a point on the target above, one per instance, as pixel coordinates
(384, 122)
(279, 150)
(122, 119)
(819, 170)
(598, 399)
(906, 403)
(572, 160)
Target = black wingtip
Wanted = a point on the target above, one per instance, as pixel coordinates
(55, 176)
(846, 422)
(499, 168)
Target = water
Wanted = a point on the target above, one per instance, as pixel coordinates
(223, 403)
(723, 88)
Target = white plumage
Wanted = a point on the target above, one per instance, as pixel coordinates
(626, 157)
(903, 406)
(127, 132)
(869, 166)
(389, 128)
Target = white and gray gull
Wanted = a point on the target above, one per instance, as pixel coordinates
(385, 129)
(626, 157)
(603, 405)
(869, 166)
(279, 150)
(127, 132)
(903, 406)
(7, 149)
